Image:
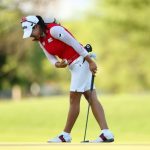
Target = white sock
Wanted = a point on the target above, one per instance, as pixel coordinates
(107, 133)
(105, 130)
(65, 133)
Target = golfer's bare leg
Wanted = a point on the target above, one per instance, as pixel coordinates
(97, 109)
(73, 110)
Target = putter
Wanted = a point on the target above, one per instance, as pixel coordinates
(87, 117)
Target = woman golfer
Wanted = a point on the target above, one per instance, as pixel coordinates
(56, 41)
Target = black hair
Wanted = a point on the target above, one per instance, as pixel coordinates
(41, 23)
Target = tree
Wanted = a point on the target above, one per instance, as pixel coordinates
(122, 32)
(22, 62)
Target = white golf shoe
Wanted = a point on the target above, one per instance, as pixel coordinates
(106, 137)
(61, 138)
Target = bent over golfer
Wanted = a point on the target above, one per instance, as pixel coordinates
(56, 41)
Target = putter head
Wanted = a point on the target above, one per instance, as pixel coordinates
(86, 141)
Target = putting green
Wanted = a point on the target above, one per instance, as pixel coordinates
(41, 146)
(36, 120)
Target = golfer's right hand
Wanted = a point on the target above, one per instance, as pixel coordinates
(61, 64)
(93, 67)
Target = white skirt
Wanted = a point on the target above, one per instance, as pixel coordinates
(80, 75)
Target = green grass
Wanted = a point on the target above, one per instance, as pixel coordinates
(38, 119)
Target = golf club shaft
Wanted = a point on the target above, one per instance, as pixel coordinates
(87, 117)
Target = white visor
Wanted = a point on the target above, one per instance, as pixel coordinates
(27, 24)
(27, 29)
(27, 33)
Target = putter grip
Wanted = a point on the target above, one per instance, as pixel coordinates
(92, 82)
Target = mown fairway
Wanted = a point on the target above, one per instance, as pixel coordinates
(38, 119)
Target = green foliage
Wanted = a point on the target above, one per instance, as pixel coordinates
(119, 31)
(9, 46)
(122, 29)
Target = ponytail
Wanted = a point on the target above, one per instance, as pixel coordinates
(41, 23)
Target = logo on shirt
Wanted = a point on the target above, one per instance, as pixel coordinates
(50, 40)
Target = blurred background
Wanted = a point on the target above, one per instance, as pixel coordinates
(119, 32)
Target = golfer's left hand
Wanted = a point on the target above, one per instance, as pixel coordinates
(93, 67)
